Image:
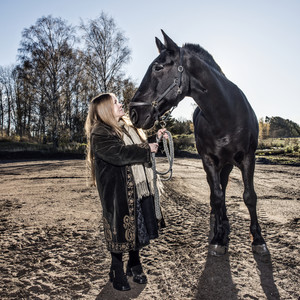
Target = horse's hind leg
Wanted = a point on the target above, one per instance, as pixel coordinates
(250, 199)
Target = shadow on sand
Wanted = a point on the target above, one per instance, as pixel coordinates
(264, 265)
(216, 280)
(216, 274)
(109, 293)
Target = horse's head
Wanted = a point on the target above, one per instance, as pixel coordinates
(163, 86)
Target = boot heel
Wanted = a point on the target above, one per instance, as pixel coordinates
(137, 273)
(118, 279)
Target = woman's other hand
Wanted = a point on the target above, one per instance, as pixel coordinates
(153, 147)
(161, 133)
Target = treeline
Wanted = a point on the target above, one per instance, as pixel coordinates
(270, 127)
(277, 127)
(59, 69)
(179, 127)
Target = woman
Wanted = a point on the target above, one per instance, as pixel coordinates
(120, 161)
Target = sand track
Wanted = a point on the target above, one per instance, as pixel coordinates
(51, 247)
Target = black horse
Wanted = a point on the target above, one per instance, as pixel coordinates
(226, 128)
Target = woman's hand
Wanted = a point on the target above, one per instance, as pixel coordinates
(161, 133)
(153, 147)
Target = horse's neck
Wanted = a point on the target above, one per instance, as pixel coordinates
(207, 87)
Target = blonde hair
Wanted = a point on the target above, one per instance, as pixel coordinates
(100, 111)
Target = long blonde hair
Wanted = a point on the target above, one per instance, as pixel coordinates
(100, 111)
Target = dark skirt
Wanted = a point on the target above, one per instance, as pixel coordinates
(147, 225)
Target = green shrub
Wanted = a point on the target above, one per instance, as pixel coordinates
(184, 142)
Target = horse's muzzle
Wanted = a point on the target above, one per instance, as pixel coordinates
(134, 117)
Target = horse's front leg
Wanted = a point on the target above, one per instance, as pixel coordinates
(219, 242)
(250, 199)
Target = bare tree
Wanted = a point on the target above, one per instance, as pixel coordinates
(128, 91)
(106, 52)
(1, 112)
(27, 99)
(7, 97)
(46, 95)
(47, 47)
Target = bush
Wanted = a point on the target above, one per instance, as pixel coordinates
(73, 147)
(288, 150)
(184, 142)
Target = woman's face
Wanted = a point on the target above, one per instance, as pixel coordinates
(118, 111)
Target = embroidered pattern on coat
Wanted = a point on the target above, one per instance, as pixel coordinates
(129, 233)
(129, 220)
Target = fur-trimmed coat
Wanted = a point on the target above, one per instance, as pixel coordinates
(115, 185)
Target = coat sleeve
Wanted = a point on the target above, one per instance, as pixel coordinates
(113, 151)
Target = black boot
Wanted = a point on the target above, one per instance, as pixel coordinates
(134, 267)
(116, 274)
(137, 273)
(118, 278)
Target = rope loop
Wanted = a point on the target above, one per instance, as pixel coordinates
(169, 150)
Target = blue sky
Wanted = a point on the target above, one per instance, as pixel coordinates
(256, 43)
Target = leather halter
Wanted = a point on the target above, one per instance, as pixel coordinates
(177, 82)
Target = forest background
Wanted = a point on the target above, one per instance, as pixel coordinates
(44, 96)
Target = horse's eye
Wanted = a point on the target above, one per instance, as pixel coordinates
(157, 67)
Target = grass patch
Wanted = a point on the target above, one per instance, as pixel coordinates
(284, 151)
(279, 160)
(23, 146)
(13, 144)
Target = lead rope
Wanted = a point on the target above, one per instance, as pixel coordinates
(169, 150)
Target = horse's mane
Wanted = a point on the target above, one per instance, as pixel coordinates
(204, 55)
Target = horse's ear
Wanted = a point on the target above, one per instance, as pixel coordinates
(169, 44)
(160, 45)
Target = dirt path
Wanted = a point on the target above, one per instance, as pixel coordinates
(51, 247)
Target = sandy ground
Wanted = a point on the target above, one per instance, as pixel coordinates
(52, 248)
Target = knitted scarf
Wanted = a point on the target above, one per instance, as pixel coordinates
(143, 177)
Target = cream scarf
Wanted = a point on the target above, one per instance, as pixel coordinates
(143, 177)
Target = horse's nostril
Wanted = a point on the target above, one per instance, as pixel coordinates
(133, 116)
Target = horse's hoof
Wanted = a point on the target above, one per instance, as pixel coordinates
(216, 250)
(260, 249)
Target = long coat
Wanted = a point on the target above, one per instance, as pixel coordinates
(115, 185)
